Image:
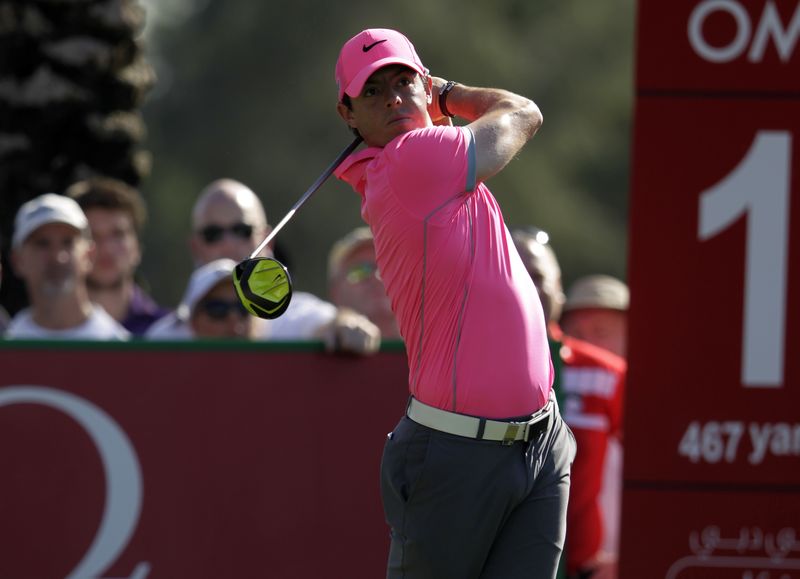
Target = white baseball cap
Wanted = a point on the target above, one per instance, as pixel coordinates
(202, 281)
(44, 209)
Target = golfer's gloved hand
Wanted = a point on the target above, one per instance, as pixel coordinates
(351, 332)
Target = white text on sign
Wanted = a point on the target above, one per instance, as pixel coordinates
(768, 28)
(758, 187)
(726, 441)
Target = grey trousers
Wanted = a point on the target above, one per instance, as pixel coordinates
(460, 508)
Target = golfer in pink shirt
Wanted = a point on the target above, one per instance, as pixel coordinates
(475, 477)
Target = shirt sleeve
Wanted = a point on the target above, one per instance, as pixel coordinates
(432, 166)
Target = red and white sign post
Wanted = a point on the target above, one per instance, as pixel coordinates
(712, 426)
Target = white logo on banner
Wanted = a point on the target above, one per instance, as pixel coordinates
(123, 475)
(769, 27)
(753, 553)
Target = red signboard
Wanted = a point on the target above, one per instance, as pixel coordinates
(708, 535)
(718, 46)
(203, 463)
(712, 420)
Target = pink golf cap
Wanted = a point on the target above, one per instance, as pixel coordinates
(368, 51)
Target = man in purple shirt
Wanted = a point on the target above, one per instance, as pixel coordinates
(116, 215)
(475, 477)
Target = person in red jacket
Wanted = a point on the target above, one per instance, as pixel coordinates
(591, 385)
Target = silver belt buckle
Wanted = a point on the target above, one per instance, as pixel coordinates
(510, 437)
(542, 416)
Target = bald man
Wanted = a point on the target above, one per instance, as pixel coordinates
(229, 221)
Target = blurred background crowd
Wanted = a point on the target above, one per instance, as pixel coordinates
(170, 95)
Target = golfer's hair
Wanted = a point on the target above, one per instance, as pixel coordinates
(108, 193)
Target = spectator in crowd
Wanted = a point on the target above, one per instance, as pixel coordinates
(591, 385)
(4, 319)
(354, 281)
(116, 214)
(228, 220)
(596, 311)
(210, 308)
(52, 252)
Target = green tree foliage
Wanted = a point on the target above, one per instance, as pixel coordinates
(247, 92)
(72, 79)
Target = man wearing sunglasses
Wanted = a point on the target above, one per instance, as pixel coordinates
(229, 221)
(209, 308)
(355, 282)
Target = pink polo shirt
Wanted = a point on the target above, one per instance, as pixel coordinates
(467, 308)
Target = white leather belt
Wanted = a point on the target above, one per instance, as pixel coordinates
(480, 428)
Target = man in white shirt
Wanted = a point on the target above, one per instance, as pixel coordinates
(52, 252)
(229, 221)
(210, 308)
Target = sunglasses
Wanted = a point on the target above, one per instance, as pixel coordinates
(215, 233)
(361, 272)
(217, 309)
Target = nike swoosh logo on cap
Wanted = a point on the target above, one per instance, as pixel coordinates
(366, 48)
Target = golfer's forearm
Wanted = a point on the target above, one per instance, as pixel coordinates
(473, 103)
(501, 121)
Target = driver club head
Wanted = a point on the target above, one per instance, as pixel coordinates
(263, 286)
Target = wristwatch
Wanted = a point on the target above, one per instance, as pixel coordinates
(448, 86)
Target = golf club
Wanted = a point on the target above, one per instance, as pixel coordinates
(263, 284)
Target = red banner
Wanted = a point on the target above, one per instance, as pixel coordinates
(718, 46)
(194, 462)
(712, 534)
(712, 429)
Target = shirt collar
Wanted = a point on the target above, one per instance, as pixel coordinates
(353, 168)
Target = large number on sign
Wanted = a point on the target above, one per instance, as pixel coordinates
(758, 187)
(711, 442)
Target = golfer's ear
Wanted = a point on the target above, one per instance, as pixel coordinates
(346, 114)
